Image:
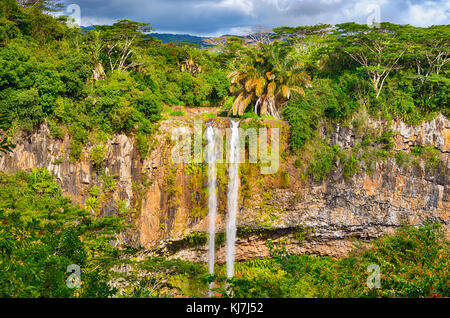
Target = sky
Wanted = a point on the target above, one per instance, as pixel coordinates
(219, 17)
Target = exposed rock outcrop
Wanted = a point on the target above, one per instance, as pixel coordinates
(315, 218)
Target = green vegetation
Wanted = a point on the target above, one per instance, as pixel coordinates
(42, 233)
(324, 162)
(115, 79)
(197, 187)
(413, 263)
(5, 145)
(177, 113)
(430, 155)
(112, 78)
(268, 73)
(405, 78)
(171, 187)
(98, 154)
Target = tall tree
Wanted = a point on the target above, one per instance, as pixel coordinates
(259, 35)
(120, 38)
(44, 5)
(377, 50)
(431, 50)
(269, 74)
(5, 145)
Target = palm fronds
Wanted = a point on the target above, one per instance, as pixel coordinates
(268, 76)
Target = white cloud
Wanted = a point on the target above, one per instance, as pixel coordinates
(428, 13)
(244, 6)
(238, 16)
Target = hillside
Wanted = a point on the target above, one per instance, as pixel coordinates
(181, 38)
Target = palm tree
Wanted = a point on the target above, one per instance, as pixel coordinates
(269, 75)
(5, 145)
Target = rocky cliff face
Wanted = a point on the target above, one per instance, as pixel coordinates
(320, 218)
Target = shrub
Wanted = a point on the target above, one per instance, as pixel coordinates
(98, 154)
(351, 167)
(304, 120)
(387, 139)
(323, 162)
(432, 157)
(42, 233)
(284, 180)
(413, 263)
(93, 205)
(402, 159)
(94, 191)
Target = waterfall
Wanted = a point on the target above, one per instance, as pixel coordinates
(232, 199)
(211, 158)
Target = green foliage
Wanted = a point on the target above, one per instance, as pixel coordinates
(171, 187)
(142, 144)
(56, 130)
(413, 263)
(304, 119)
(323, 162)
(122, 207)
(177, 113)
(41, 181)
(93, 205)
(109, 182)
(386, 139)
(197, 238)
(84, 82)
(42, 233)
(269, 74)
(325, 99)
(430, 155)
(402, 159)
(5, 145)
(347, 78)
(351, 167)
(87, 81)
(98, 154)
(197, 187)
(284, 180)
(94, 191)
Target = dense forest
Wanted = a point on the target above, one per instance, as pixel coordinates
(92, 84)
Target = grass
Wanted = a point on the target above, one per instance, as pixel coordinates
(177, 113)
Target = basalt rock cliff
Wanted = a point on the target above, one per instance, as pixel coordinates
(321, 218)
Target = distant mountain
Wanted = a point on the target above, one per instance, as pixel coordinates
(89, 28)
(175, 38)
(170, 38)
(180, 38)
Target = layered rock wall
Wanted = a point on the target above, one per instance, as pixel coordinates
(316, 218)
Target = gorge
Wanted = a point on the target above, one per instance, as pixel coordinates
(318, 218)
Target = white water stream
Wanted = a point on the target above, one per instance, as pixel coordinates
(232, 198)
(211, 158)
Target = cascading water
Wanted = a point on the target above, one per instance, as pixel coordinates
(232, 199)
(211, 158)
